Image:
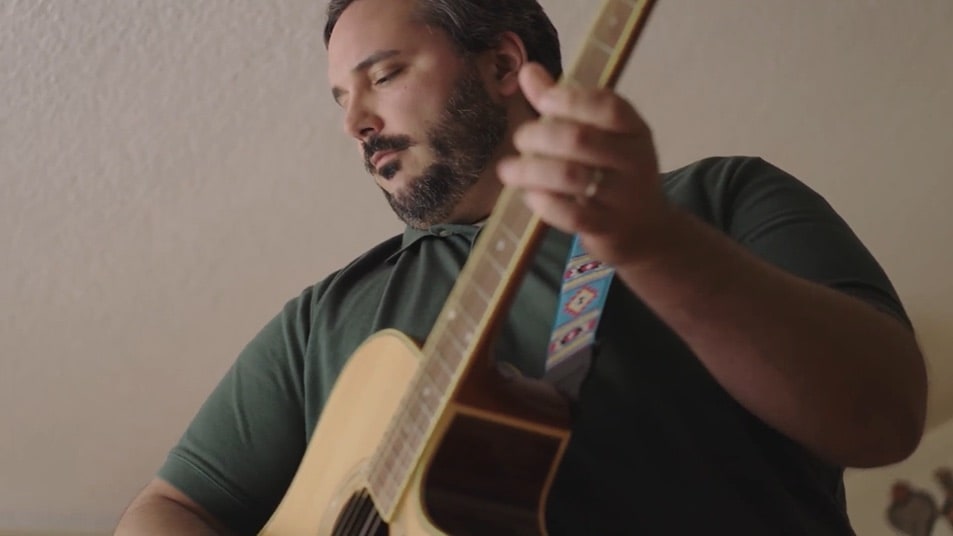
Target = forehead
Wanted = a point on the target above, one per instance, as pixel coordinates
(368, 26)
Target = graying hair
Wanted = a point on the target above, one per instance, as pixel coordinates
(476, 26)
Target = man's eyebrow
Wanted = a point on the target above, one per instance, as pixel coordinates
(365, 64)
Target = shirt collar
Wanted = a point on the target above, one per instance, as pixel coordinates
(412, 236)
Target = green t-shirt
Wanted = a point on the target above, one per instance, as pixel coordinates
(658, 447)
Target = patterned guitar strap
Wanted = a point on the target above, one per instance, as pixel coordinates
(585, 286)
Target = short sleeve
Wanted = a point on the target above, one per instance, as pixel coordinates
(240, 452)
(783, 221)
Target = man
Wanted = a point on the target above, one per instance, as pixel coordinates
(750, 349)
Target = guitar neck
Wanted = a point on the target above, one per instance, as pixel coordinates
(496, 265)
(489, 279)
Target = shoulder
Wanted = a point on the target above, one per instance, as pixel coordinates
(354, 272)
(720, 188)
(783, 221)
(723, 175)
(348, 280)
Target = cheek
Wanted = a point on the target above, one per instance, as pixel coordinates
(412, 109)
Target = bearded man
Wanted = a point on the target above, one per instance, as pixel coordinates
(750, 348)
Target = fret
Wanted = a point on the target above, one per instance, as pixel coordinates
(473, 309)
(485, 281)
(519, 217)
(412, 418)
(420, 425)
(397, 462)
(444, 364)
(410, 443)
(403, 461)
(500, 255)
(390, 484)
(379, 460)
(479, 292)
(380, 476)
(416, 411)
(427, 369)
(608, 49)
(448, 348)
(458, 346)
(389, 490)
(418, 401)
(513, 236)
(591, 65)
(610, 27)
(461, 340)
(495, 263)
(452, 338)
(431, 403)
(387, 465)
(498, 265)
(402, 435)
(389, 474)
(411, 413)
(464, 316)
(454, 359)
(437, 371)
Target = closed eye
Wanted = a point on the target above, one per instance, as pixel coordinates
(387, 77)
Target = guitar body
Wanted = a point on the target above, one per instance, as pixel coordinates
(487, 468)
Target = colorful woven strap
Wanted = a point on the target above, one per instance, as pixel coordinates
(585, 286)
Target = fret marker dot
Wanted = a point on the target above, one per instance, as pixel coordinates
(501, 245)
(451, 314)
(613, 21)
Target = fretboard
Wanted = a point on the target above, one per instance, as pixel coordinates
(489, 278)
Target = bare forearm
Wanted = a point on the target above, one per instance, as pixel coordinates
(156, 515)
(157, 518)
(160, 516)
(828, 370)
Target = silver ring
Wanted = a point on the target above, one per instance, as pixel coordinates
(595, 179)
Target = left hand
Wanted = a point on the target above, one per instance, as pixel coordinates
(588, 166)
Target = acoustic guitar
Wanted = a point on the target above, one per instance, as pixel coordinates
(437, 440)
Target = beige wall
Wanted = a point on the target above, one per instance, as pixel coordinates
(171, 172)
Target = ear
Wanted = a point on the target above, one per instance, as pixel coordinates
(503, 63)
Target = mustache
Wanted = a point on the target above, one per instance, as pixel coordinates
(378, 143)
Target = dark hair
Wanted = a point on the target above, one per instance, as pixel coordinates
(476, 25)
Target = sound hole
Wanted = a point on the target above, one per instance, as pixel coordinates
(359, 517)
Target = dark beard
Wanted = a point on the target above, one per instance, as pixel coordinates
(464, 139)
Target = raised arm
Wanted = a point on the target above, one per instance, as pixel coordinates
(825, 368)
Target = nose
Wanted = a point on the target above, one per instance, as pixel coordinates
(360, 120)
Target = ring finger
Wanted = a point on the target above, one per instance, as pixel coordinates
(534, 172)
